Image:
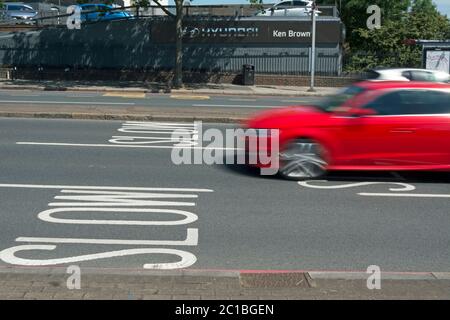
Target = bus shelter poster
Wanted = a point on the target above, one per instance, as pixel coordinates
(438, 60)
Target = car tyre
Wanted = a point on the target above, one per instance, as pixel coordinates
(303, 159)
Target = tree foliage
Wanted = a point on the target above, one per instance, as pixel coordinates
(400, 20)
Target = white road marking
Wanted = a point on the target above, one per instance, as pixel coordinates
(8, 256)
(162, 124)
(111, 200)
(67, 102)
(45, 186)
(157, 133)
(234, 106)
(191, 240)
(99, 145)
(411, 195)
(401, 186)
(189, 216)
(243, 100)
(295, 101)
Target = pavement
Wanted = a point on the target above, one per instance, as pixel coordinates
(319, 237)
(52, 284)
(129, 86)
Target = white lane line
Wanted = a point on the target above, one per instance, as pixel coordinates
(48, 186)
(233, 106)
(191, 240)
(67, 102)
(243, 100)
(295, 101)
(123, 146)
(410, 195)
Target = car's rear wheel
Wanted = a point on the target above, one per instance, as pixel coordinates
(302, 159)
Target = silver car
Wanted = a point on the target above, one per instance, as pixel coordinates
(408, 74)
(18, 12)
(298, 8)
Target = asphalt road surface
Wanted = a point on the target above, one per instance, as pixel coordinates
(82, 192)
(135, 99)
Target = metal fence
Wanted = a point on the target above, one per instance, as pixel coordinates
(129, 46)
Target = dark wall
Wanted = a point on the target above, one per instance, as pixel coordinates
(131, 44)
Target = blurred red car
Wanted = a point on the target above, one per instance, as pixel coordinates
(368, 126)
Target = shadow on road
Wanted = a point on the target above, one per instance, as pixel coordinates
(354, 176)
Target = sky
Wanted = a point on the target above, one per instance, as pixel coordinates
(443, 5)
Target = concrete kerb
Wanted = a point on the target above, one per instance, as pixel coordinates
(310, 276)
(121, 117)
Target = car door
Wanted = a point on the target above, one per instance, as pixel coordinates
(409, 130)
(429, 111)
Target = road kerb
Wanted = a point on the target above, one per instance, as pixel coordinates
(316, 275)
(122, 117)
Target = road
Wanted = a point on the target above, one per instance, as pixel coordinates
(59, 180)
(136, 99)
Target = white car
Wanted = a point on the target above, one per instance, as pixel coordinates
(297, 8)
(408, 75)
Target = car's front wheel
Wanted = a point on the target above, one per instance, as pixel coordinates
(303, 159)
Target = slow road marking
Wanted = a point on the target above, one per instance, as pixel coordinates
(112, 200)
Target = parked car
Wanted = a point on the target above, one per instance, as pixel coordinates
(369, 126)
(19, 12)
(289, 8)
(101, 12)
(408, 75)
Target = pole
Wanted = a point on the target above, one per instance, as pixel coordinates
(313, 47)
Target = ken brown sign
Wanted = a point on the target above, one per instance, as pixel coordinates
(257, 31)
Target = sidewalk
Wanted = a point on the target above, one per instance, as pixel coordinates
(106, 284)
(211, 88)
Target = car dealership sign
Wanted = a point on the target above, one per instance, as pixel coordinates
(246, 31)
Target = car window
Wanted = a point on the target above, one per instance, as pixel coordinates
(102, 8)
(300, 3)
(27, 8)
(87, 8)
(335, 101)
(407, 74)
(284, 4)
(422, 76)
(404, 102)
(14, 8)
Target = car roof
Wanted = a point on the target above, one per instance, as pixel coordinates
(374, 85)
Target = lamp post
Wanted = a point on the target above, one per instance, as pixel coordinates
(313, 46)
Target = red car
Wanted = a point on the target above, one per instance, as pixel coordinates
(369, 126)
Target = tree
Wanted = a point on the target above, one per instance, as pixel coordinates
(178, 17)
(386, 46)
